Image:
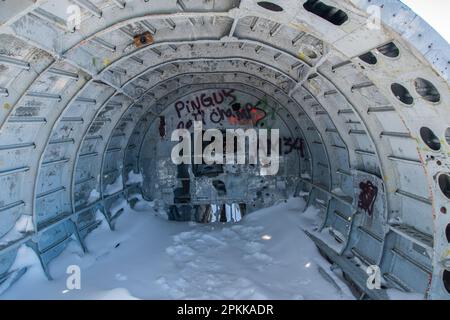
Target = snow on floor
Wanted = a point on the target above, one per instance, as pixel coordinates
(265, 256)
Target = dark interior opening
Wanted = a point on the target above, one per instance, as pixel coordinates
(329, 13)
(430, 139)
(369, 58)
(427, 90)
(389, 50)
(402, 94)
(444, 184)
(270, 6)
(446, 278)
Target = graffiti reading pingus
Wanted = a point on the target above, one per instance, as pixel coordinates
(235, 113)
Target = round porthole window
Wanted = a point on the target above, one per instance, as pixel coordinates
(446, 279)
(369, 58)
(389, 50)
(427, 90)
(430, 139)
(270, 6)
(402, 94)
(444, 184)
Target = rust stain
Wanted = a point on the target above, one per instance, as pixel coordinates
(144, 39)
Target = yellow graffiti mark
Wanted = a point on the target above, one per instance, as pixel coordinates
(6, 106)
(301, 55)
(106, 62)
(298, 26)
